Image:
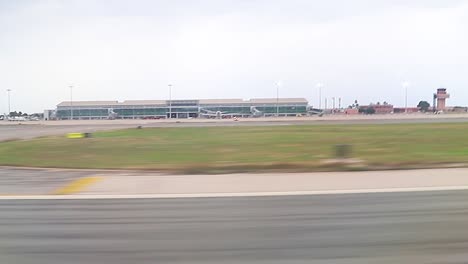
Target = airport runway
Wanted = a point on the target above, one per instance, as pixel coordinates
(29, 130)
(427, 227)
(18, 181)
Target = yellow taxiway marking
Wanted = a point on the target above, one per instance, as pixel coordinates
(77, 186)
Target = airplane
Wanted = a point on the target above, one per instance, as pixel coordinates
(255, 112)
(17, 118)
(216, 114)
(315, 111)
(112, 115)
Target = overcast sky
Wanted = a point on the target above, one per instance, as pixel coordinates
(127, 50)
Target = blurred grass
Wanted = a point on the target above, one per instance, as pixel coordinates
(205, 149)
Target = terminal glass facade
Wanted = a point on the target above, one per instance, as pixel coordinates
(179, 109)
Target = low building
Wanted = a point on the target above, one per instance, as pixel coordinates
(383, 109)
(351, 111)
(379, 108)
(203, 108)
(49, 115)
(408, 110)
(457, 109)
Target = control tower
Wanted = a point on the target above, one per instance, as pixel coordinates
(441, 96)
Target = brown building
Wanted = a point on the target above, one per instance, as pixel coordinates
(351, 111)
(383, 109)
(401, 110)
(380, 109)
(441, 96)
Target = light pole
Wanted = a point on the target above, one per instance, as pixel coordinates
(277, 98)
(9, 102)
(319, 86)
(71, 102)
(406, 85)
(170, 101)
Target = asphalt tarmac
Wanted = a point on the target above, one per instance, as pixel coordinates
(425, 227)
(29, 130)
(15, 131)
(17, 181)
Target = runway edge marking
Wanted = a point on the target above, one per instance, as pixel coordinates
(228, 195)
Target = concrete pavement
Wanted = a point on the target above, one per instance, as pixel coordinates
(17, 182)
(12, 131)
(28, 130)
(428, 227)
(140, 183)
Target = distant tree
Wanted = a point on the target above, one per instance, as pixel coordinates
(356, 104)
(370, 111)
(15, 114)
(40, 115)
(424, 106)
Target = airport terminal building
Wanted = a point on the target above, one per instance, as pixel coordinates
(203, 108)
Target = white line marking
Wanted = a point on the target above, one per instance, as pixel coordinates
(220, 195)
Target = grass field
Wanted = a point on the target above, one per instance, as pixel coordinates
(229, 149)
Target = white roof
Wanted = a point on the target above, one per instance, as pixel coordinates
(255, 101)
(143, 102)
(88, 103)
(279, 100)
(201, 102)
(220, 101)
